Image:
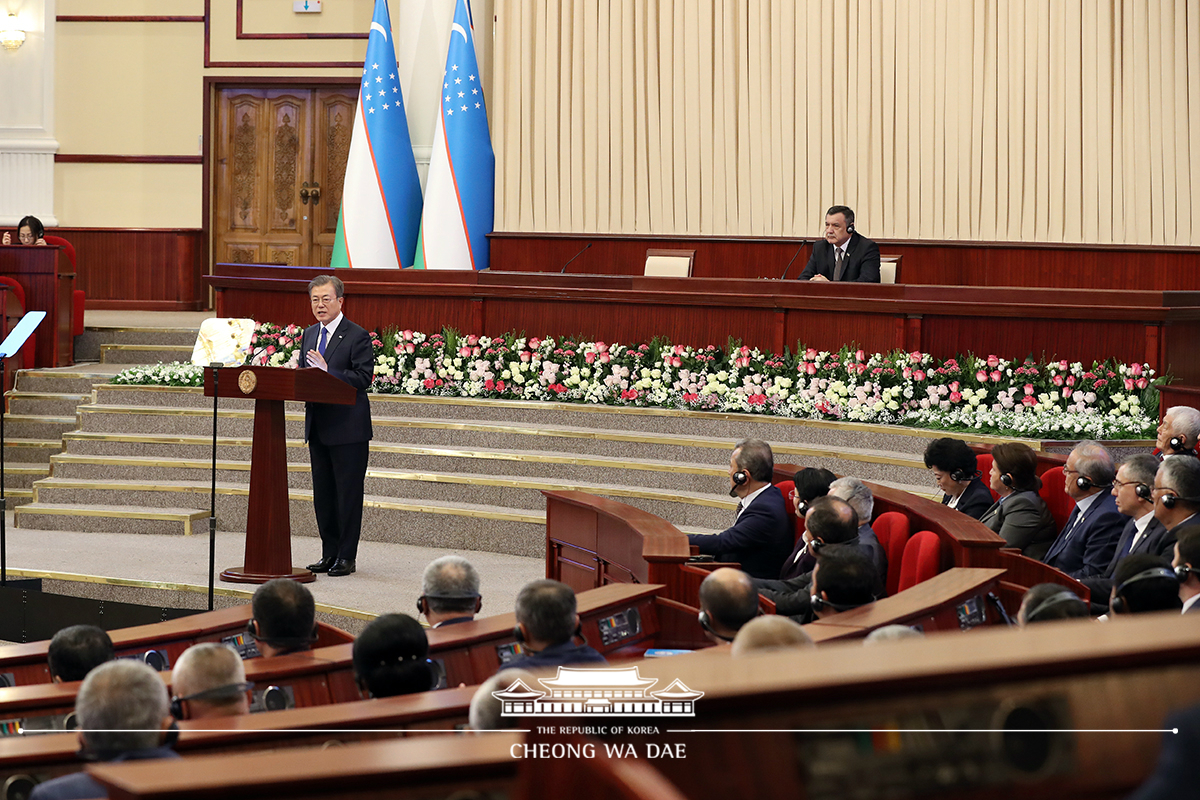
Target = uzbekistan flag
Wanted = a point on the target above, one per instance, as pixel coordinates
(380, 216)
(460, 192)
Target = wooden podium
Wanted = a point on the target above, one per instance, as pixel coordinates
(268, 528)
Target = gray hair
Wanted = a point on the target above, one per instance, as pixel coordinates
(856, 493)
(1185, 420)
(1182, 476)
(449, 584)
(485, 712)
(209, 665)
(1094, 462)
(121, 706)
(1141, 468)
(756, 458)
(891, 633)
(770, 632)
(547, 610)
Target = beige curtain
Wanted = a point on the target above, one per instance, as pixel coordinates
(1032, 120)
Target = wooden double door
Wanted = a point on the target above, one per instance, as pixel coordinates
(280, 160)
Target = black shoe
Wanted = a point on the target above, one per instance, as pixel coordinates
(343, 566)
(323, 565)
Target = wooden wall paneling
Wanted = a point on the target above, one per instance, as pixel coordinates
(829, 330)
(1181, 351)
(1074, 340)
(154, 269)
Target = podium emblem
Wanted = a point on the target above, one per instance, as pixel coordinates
(247, 381)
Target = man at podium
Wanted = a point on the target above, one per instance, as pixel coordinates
(338, 436)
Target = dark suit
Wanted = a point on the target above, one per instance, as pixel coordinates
(760, 539)
(1086, 545)
(867, 540)
(1156, 541)
(558, 655)
(1024, 522)
(861, 262)
(80, 785)
(975, 500)
(339, 439)
(1177, 773)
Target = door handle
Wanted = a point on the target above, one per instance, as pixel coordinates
(304, 193)
(315, 193)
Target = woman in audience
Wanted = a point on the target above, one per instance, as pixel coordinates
(30, 230)
(1020, 516)
(956, 471)
(391, 657)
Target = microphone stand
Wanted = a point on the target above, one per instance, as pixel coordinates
(793, 261)
(572, 258)
(212, 492)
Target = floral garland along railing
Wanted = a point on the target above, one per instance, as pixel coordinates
(1047, 400)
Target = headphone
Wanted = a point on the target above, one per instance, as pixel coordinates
(1118, 604)
(1169, 500)
(1007, 480)
(1184, 571)
(820, 604)
(1084, 483)
(285, 643)
(706, 623)
(1064, 596)
(739, 479)
(228, 691)
(963, 475)
(1144, 492)
(1180, 447)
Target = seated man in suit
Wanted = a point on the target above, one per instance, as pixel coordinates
(1144, 583)
(548, 624)
(728, 601)
(209, 681)
(830, 521)
(1176, 496)
(761, 536)
(1020, 516)
(285, 618)
(1187, 554)
(1179, 432)
(811, 483)
(844, 254)
(1143, 533)
(856, 493)
(955, 468)
(123, 716)
(449, 592)
(843, 579)
(1049, 601)
(1088, 540)
(76, 651)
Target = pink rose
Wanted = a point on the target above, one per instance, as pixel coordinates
(859, 355)
(1136, 369)
(1028, 389)
(1029, 401)
(1058, 380)
(524, 356)
(981, 376)
(810, 368)
(954, 386)
(993, 361)
(1129, 383)
(1070, 380)
(996, 376)
(1142, 383)
(918, 375)
(1066, 393)
(605, 358)
(589, 357)
(676, 361)
(955, 397)
(810, 354)
(907, 373)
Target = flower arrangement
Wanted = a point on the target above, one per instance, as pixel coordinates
(1049, 400)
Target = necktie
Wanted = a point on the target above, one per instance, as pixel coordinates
(321, 341)
(1070, 527)
(739, 510)
(839, 254)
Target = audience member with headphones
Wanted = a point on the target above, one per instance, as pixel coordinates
(391, 657)
(1143, 533)
(844, 578)
(1176, 498)
(285, 618)
(955, 469)
(449, 592)
(762, 534)
(728, 601)
(1144, 583)
(77, 650)
(1089, 538)
(209, 681)
(124, 715)
(1050, 601)
(1020, 516)
(547, 627)
(1178, 433)
(1187, 568)
(843, 254)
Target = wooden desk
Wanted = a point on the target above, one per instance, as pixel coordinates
(1157, 327)
(49, 287)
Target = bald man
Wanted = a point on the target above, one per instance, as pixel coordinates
(728, 600)
(209, 681)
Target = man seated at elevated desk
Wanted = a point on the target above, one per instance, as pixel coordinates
(844, 254)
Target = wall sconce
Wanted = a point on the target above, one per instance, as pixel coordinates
(12, 37)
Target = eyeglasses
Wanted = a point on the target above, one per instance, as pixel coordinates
(1068, 471)
(1123, 484)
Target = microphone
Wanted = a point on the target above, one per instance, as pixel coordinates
(250, 358)
(572, 258)
(803, 242)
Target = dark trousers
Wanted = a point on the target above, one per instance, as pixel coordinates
(338, 474)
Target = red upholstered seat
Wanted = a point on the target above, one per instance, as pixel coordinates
(892, 529)
(787, 487)
(1054, 492)
(16, 308)
(983, 463)
(922, 559)
(77, 297)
